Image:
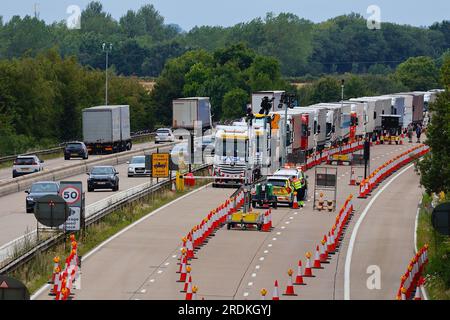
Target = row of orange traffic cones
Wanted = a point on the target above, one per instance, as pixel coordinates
(327, 247)
(62, 280)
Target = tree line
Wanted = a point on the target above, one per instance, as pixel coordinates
(143, 42)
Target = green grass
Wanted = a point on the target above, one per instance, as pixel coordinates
(437, 272)
(36, 272)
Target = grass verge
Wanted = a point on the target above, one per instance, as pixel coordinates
(37, 272)
(437, 273)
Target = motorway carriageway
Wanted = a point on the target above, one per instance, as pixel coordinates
(15, 222)
(141, 261)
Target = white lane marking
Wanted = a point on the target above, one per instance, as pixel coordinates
(253, 275)
(348, 258)
(416, 225)
(266, 251)
(174, 256)
(245, 294)
(257, 267)
(291, 218)
(274, 239)
(160, 271)
(287, 222)
(118, 234)
(166, 264)
(270, 245)
(152, 280)
(296, 213)
(250, 284)
(278, 233)
(261, 259)
(143, 291)
(283, 227)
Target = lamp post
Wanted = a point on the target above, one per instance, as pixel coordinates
(107, 48)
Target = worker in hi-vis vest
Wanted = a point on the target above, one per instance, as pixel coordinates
(300, 187)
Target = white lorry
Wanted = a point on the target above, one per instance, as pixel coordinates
(188, 113)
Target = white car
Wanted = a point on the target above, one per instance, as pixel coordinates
(164, 135)
(136, 167)
(27, 164)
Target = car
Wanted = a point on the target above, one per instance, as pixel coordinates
(26, 165)
(136, 167)
(103, 177)
(76, 150)
(164, 135)
(38, 190)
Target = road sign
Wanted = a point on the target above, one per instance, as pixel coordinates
(51, 211)
(72, 193)
(12, 289)
(440, 218)
(160, 165)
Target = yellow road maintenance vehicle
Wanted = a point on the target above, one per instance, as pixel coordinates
(340, 159)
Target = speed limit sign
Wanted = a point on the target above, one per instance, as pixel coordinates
(71, 194)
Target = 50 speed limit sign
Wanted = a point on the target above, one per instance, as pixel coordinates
(71, 194)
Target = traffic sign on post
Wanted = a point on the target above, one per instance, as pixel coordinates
(12, 289)
(160, 165)
(72, 193)
(51, 211)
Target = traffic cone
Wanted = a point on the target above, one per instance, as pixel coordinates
(265, 227)
(194, 292)
(270, 219)
(316, 264)
(299, 279)
(187, 283)
(189, 291)
(55, 266)
(308, 270)
(295, 203)
(263, 294)
(418, 295)
(275, 295)
(183, 273)
(182, 265)
(289, 288)
(323, 251)
(56, 281)
(403, 293)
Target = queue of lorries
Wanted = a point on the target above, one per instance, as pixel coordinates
(260, 147)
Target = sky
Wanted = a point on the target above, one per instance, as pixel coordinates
(189, 13)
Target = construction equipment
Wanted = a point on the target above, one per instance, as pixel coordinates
(325, 181)
(264, 196)
(245, 220)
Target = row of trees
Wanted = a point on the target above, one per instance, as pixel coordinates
(41, 100)
(143, 42)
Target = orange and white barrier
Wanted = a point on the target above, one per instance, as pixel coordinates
(412, 279)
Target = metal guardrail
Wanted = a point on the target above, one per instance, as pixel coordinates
(93, 213)
(61, 148)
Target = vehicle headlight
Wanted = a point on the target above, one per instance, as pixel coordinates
(130, 170)
(30, 199)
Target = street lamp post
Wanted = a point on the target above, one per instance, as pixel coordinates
(107, 48)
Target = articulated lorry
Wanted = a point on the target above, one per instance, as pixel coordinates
(106, 129)
(414, 105)
(188, 113)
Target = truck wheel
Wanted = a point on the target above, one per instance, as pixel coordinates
(291, 204)
(259, 227)
(228, 226)
(90, 189)
(254, 204)
(66, 158)
(275, 205)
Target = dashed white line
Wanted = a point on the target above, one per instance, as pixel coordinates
(253, 275)
(278, 233)
(245, 294)
(266, 251)
(257, 267)
(250, 284)
(152, 280)
(160, 271)
(261, 259)
(283, 227)
(270, 245)
(143, 291)
(274, 239)
(167, 263)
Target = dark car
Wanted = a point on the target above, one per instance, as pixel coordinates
(75, 150)
(38, 190)
(103, 177)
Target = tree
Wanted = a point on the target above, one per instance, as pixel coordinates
(327, 89)
(435, 169)
(234, 104)
(418, 74)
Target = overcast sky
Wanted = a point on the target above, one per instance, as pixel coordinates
(189, 13)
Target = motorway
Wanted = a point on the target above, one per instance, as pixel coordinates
(141, 261)
(15, 222)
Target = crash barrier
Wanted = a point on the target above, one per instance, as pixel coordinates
(412, 280)
(65, 281)
(327, 247)
(198, 236)
(317, 158)
(385, 170)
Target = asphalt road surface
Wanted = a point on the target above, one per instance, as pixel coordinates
(141, 263)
